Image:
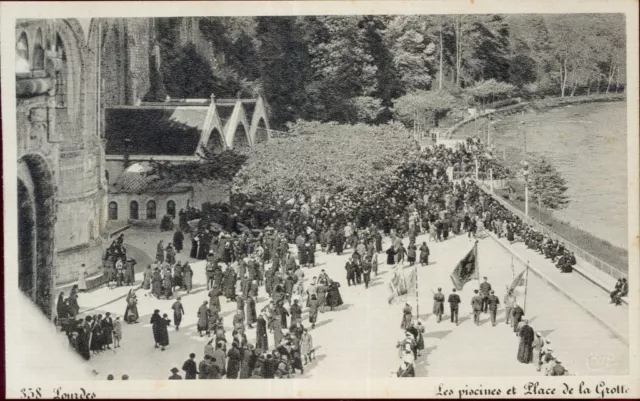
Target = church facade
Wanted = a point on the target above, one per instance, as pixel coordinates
(69, 73)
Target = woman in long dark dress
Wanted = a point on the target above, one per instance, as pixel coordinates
(159, 326)
(187, 277)
(96, 335)
(333, 295)
(313, 310)
(156, 283)
(525, 349)
(391, 255)
(262, 340)
(230, 279)
(233, 362)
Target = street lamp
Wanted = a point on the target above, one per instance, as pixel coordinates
(525, 173)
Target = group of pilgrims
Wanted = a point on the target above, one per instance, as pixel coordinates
(419, 196)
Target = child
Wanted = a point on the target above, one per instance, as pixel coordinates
(117, 332)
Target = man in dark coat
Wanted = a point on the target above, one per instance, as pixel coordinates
(493, 307)
(230, 279)
(424, 254)
(250, 306)
(485, 290)
(454, 301)
(525, 349)
(190, 368)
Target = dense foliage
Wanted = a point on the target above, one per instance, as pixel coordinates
(548, 187)
(322, 158)
(351, 68)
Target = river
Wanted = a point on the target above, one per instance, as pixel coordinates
(588, 144)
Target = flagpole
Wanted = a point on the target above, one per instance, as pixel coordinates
(526, 286)
(417, 297)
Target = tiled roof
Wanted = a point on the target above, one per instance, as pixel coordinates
(154, 130)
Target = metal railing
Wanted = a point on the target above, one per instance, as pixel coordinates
(579, 252)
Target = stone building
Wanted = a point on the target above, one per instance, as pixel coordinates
(62, 191)
(68, 72)
(173, 131)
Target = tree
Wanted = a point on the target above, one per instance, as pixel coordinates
(284, 68)
(352, 156)
(187, 75)
(211, 166)
(412, 107)
(490, 90)
(547, 185)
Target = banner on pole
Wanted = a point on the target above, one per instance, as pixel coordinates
(402, 284)
(467, 269)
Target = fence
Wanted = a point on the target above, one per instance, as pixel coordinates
(579, 252)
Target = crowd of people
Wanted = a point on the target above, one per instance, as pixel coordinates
(419, 197)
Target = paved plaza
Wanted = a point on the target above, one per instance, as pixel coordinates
(357, 341)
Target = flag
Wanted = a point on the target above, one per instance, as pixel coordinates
(402, 284)
(467, 269)
(518, 281)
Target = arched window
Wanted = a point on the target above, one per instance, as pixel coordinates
(151, 210)
(113, 211)
(133, 210)
(171, 208)
(38, 52)
(61, 75)
(106, 176)
(22, 54)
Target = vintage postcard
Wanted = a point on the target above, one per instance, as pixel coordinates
(339, 199)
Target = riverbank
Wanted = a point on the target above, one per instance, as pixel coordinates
(598, 247)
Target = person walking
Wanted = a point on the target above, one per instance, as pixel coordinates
(178, 312)
(485, 290)
(476, 306)
(493, 302)
(525, 349)
(366, 271)
(454, 302)
(159, 326)
(438, 304)
(190, 368)
(424, 254)
(203, 319)
(509, 303)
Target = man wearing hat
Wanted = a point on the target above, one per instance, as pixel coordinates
(175, 375)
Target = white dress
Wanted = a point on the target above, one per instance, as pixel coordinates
(82, 279)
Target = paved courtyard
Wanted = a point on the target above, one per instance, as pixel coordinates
(358, 340)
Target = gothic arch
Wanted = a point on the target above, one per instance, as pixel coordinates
(216, 141)
(260, 131)
(237, 128)
(36, 224)
(71, 36)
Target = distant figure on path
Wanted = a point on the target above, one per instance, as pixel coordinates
(159, 326)
(178, 312)
(485, 290)
(509, 304)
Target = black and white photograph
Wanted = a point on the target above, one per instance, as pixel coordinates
(377, 196)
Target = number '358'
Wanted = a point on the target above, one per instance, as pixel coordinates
(31, 393)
